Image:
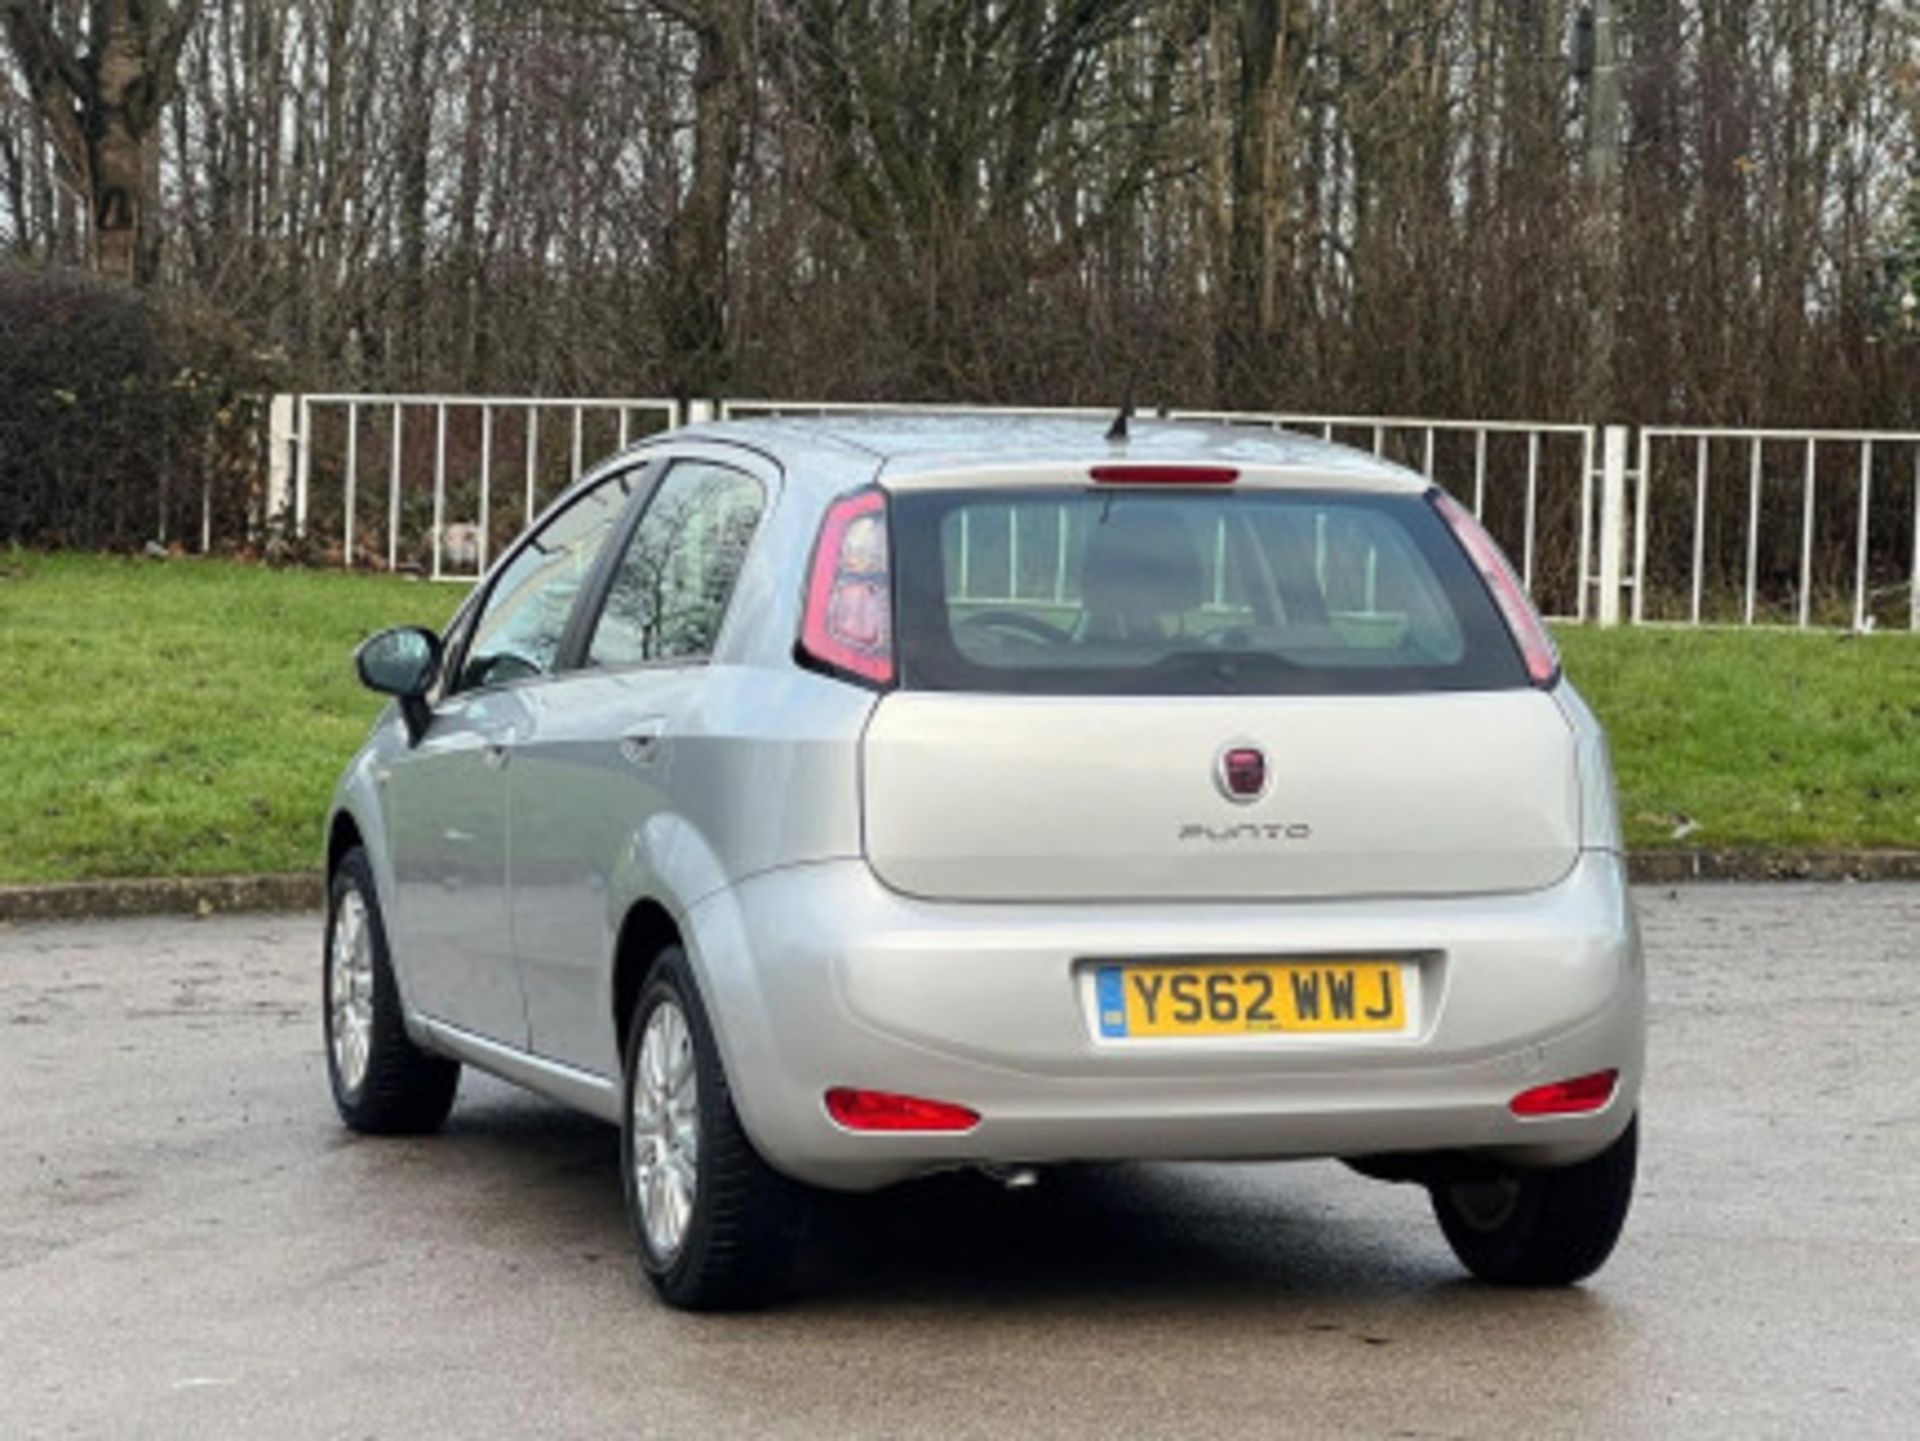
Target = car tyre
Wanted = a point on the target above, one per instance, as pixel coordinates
(1549, 1227)
(714, 1224)
(383, 1084)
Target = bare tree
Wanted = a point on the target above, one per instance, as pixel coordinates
(1272, 203)
(102, 85)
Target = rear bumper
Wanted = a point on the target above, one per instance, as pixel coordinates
(819, 976)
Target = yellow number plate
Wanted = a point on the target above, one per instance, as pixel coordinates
(1251, 998)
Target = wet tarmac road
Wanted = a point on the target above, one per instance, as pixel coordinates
(191, 1246)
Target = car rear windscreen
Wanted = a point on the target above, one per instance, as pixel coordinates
(1138, 592)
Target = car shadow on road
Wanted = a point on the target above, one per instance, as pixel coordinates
(1296, 1239)
(1209, 1235)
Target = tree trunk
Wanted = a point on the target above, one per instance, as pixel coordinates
(1261, 143)
(415, 159)
(103, 107)
(116, 149)
(695, 283)
(13, 181)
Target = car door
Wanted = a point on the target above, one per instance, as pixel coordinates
(447, 798)
(593, 776)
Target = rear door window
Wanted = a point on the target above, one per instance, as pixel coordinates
(670, 591)
(1135, 592)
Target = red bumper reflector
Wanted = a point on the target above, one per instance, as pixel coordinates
(1165, 474)
(883, 1111)
(1567, 1098)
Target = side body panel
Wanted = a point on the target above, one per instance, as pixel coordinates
(662, 783)
(447, 823)
(592, 790)
(743, 772)
(1599, 803)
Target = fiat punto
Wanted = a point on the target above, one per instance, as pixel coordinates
(827, 802)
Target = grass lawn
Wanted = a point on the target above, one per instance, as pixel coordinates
(180, 717)
(1760, 739)
(189, 717)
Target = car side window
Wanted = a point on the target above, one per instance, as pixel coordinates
(671, 589)
(518, 631)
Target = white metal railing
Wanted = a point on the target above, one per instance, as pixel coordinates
(1677, 464)
(1586, 529)
(1467, 475)
(395, 420)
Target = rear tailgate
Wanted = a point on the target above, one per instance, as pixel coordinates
(1027, 798)
(1077, 662)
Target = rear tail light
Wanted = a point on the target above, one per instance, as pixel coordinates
(1567, 1098)
(883, 1111)
(1165, 474)
(1536, 646)
(848, 626)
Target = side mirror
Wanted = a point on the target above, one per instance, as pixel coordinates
(401, 663)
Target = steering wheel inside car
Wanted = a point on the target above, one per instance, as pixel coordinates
(1020, 623)
(1236, 637)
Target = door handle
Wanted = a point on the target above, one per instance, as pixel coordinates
(497, 755)
(641, 745)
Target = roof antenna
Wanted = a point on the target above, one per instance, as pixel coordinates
(1117, 432)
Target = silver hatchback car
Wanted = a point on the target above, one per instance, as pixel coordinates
(828, 802)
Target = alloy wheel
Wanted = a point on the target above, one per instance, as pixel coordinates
(350, 990)
(666, 1130)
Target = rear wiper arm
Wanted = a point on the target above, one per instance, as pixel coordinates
(1227, 664)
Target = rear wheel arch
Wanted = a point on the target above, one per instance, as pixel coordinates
(343, 834)
(648, 929)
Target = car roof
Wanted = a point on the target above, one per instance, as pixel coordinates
(896, 443)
